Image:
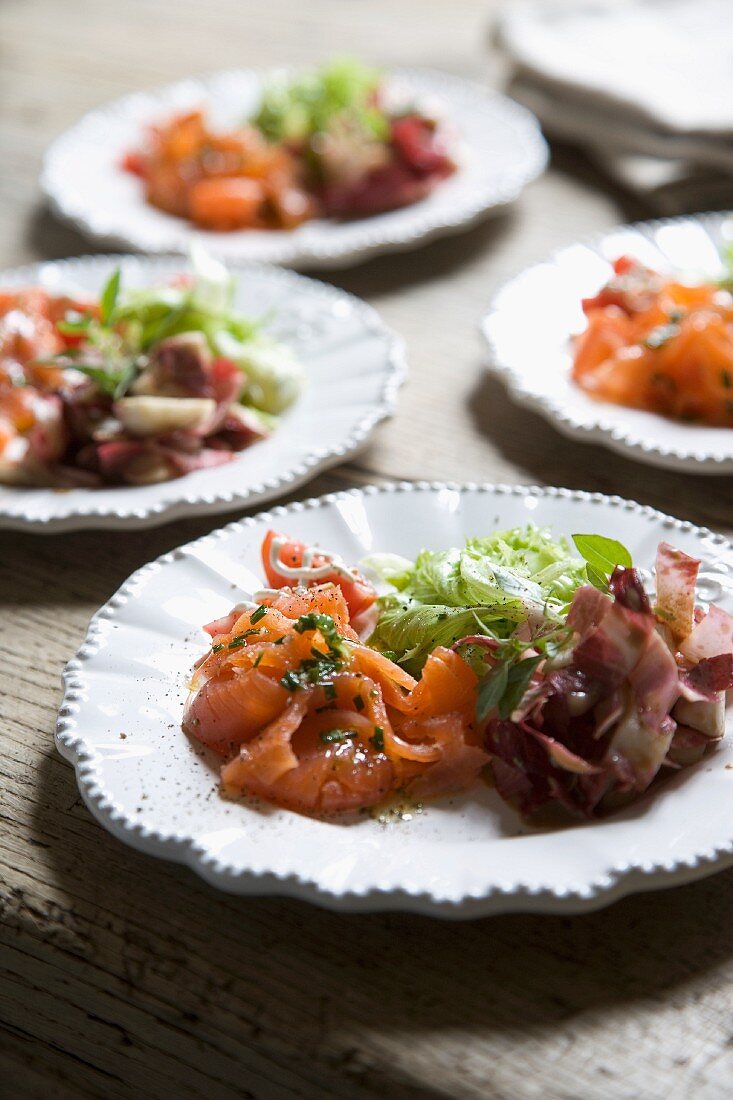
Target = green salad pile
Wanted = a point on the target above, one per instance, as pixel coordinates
(132, 322)
(488, 587)
(294, 109)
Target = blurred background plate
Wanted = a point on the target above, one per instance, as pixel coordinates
(500, 151)
(534, 360)
(354, 367)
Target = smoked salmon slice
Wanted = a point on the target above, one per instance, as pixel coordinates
(311, 719)
(656, 344)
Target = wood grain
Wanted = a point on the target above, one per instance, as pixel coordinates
(127, 977)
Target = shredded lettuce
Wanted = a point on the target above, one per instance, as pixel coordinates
(489, 587)
(294, 109)
(206, 305)
(274, 375)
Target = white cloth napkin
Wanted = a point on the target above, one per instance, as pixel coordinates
(645, 85)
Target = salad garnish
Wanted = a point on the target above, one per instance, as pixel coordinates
(488, 587)
(553, 674)
(139, 386)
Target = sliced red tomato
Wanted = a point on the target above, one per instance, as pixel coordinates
(632, 288)
(419, 142)
(135, 162)
(358, 592)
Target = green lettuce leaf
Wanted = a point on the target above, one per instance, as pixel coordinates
(412, 630)
(489, 587)
(206, 306)
(275, 378)
(294, 109)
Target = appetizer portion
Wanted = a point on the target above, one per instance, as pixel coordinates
(657, 344)
(326, 143)
(136, 387)
(551, 674)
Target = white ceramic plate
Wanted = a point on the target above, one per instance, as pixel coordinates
(500, 151)
(535, 360)
(675, 75)
(461, 857)
(354, 366)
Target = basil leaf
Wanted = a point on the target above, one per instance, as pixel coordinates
(491, 690)
(601, 553)
(108, 300)
(518, 677)
(598, 580)
(241, 639)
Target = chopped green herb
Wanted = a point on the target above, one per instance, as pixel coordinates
(291, 680)
(258, 614)
(235, 643)
(241, 639)
(660, 336)
(258, 658)
(504, 687)
(318, 670)
(326, 626)
(341, 93)
(378, 739)
(332, 736)
(359, 702)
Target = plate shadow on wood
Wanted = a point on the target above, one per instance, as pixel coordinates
(49, 238)
(425, 263)
(549, 457)
(28, 560)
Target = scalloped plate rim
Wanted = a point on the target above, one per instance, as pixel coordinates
(612, 884)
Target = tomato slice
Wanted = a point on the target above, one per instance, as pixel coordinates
(358, 592)
(632, 288)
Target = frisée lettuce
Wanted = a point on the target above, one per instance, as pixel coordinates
(488, 587)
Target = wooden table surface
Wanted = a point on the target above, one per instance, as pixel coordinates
(128, 977)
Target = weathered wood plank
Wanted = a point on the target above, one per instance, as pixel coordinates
(127, 977)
